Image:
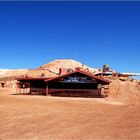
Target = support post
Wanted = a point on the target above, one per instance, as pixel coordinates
(47, 90)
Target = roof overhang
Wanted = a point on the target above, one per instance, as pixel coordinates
(30, 79)
(82, 72)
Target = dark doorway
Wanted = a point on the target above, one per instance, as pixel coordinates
(2, 85)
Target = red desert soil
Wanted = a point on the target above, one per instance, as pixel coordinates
(59, 118)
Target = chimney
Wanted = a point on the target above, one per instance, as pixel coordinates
(60, 71)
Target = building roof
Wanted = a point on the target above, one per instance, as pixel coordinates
(63, 75)
(30, 79)
(82, 72)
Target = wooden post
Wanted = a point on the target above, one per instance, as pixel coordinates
(47, 90)
(30, 91)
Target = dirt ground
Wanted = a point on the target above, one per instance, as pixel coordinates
(59, 118)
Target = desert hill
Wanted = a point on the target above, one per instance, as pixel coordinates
(65, 64)
(12, 72)
(49, 70)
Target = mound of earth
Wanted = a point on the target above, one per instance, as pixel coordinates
(65, 64)
(40, 73)
(12, 73)
(127, 92)
(49, 70)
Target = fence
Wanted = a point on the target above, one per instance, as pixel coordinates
(31, 91)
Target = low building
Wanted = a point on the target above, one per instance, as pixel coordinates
(76, 84)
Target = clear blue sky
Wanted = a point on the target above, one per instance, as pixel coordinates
(94, 33)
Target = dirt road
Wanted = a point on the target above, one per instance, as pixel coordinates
(59, 118)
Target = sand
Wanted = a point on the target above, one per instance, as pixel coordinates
(62, 118)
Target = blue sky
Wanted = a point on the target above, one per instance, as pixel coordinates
(94, 33)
